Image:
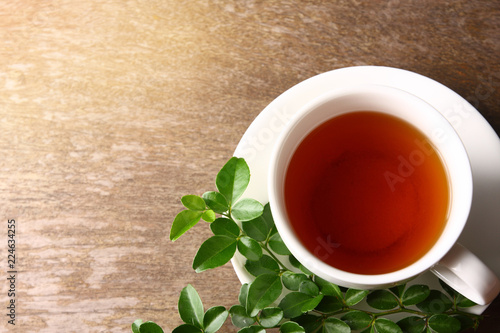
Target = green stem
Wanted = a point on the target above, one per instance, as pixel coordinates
(265, 247)
(262, 244)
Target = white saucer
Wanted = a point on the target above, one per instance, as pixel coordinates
(483, 146)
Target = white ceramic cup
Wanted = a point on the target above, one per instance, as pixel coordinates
(447, 259)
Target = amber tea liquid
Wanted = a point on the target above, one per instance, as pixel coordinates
(367, 193)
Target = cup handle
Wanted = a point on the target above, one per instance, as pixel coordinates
(468, 275)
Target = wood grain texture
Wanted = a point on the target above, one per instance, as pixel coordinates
(111, 110)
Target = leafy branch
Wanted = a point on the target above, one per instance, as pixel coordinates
(284, 295)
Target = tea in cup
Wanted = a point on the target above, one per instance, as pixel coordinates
(371, 186)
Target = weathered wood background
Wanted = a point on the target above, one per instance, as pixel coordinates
(111, 110)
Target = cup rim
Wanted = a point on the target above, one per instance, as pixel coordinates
(461, 196)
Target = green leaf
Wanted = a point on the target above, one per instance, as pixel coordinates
(309, 306)
(466, 322)
(252, 329)
(242, 296)
(278, 246)
(214, 318)
(232, 180)
(398, 290)
(247, 209)
(216, 201)
(356, 319)
(310, 322)
(308, 287)
(335, 325)
(449, 290)
(412, 324)
(267, 216)
(329, 304)
(265, 265)
(225, 227)
(292, 280)
(384, 325)
(328, 288)
(296, 303)
(442, 323)
(187, 328)
(354, 296)
(208, 216)
(239, 316)
(270, 317)
(435, 303)
(190, 307)
(256, 228)
(193, 202)
(291, 327)
(150, 327)
(263, 291)
(214, 252)
(249, 248)
(415, 294)
(135, 325)
(370, 329)
(464, 302)
(382, 300)
(184, 221)
(295, 263)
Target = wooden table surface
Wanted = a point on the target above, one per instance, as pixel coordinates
(111, 110)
